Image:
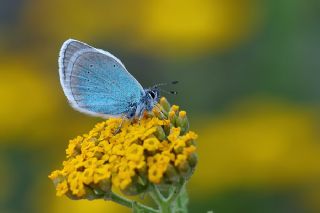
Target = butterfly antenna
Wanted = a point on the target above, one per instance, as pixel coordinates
(165, 91)
(165, 84)
(169, 92)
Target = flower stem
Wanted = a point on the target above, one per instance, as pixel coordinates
(182, 201)
(177, 191)
(176, 201)
(136, 206)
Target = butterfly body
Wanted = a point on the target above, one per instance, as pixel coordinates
(97, 83)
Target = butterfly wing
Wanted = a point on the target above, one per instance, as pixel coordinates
(96, 82)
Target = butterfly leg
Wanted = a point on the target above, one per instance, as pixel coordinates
(140, 117)
(163, 116)
(127, 115)
(123, 117)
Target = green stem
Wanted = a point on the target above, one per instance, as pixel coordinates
(175, 202)
(131, 204)
(167, 208)
(164, 206)
(176, 192)
(182, 201)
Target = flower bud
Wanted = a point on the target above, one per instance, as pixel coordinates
(173, 117)
(171, 175)
(135, 187)
(165, 104)
(174, 108)
(182, 122)
(193, 160)
(156, 112)
(160, 134)
(185, 170)
(72, 196)
(105, 185)
(90, 194)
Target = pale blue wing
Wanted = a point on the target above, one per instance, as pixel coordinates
(96, 82)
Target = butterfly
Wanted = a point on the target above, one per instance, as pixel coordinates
(95, 82)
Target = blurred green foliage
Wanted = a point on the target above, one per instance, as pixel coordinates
(249, 73)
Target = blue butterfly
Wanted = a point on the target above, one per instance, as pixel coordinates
(97, 83)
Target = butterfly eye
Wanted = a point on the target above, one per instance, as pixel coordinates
(152, 94)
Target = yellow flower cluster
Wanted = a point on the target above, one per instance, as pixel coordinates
(157, 149)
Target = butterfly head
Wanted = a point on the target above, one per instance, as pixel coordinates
(152, 97)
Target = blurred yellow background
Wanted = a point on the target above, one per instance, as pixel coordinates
(249, 75)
